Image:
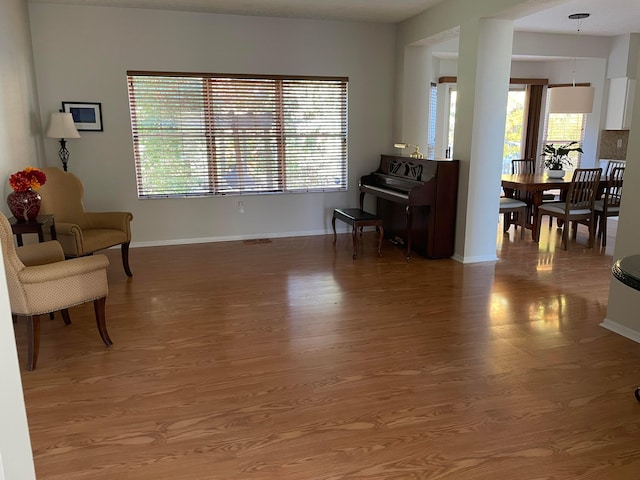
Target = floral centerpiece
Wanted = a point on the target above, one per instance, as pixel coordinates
(29, 178)
(556, 157)
(24, 201)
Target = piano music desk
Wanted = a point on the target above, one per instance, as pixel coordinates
(357, 218)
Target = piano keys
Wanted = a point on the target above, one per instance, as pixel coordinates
(417, 201)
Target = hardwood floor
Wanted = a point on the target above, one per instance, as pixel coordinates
(289, 360)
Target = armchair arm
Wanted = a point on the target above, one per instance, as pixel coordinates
(40, 253)
(71, 238)
(68, 229)
(61, 270)
(117, 220)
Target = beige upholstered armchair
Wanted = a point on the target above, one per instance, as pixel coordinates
(82, 233)
(41, 281)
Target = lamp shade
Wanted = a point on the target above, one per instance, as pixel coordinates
(571, 99)
(61, 126)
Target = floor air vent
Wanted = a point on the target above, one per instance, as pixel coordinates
(257, 240)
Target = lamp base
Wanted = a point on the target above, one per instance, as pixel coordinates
(63, 153)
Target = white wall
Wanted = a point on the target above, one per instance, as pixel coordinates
(624, 302)
(106, 42)
(19, 125)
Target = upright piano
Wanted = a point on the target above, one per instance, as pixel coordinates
(416, 200)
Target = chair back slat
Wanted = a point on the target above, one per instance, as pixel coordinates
(613, 164)
(583, 188)
(523, 166)
(613, 193)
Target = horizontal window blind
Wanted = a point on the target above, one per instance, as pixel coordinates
(198, 135)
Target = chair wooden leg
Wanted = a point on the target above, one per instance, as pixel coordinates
(603, 229)
(65, 316)
(521, 218)
(333, 225)
(125, 259)
(565, 235)
(98, 306)
(33, 341)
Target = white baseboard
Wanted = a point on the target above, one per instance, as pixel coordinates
(231, 238)
(621, 330)
(478, 259)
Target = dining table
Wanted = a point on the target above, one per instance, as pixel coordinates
(535, 185)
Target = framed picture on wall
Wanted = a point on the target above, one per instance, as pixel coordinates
(87, 116)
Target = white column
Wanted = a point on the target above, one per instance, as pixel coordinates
(415, 98)
(484, 65)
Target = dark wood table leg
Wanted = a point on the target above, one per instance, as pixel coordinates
(536, 198)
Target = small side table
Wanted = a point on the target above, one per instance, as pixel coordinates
(20, 227)
(627, 270)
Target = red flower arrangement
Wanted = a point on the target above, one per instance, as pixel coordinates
(28, 179)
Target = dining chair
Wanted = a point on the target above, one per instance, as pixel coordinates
(527, 166)
(609, 205)
(521, 166)
(578, 206)
(509, 206)
(611, 164)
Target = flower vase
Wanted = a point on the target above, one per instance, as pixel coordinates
(24, 205)
(555, 173)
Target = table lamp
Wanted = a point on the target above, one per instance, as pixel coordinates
(61, 126)
(415, 154)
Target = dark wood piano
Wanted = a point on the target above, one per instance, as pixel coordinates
(417, 201)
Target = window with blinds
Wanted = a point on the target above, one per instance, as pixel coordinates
(202, 135)
(563, 128)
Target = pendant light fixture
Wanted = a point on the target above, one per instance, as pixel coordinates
(573, 99)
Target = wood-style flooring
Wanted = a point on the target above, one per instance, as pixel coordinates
(289, 360)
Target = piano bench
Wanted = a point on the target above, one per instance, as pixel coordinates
(357, 218)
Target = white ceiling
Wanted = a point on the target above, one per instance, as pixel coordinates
(385, 11)
(608, 17)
